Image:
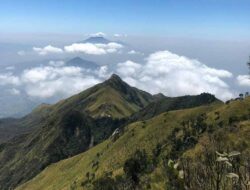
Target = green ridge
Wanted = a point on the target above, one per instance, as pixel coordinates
(147, 134)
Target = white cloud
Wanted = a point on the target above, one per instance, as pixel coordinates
(53, 81)
(216, 72)
(38, 74)
(14, 91)
(243, 80)
(87, 48)
(62, 86)
(128, 68)
(46, 82)
(9, 79)
(98, 34)
(57, 63)
(21, 53)
(175, 75)
(117, 35)
(94, 49)
(120, 35)
(162, 71)
(47, 50)
(103, 72)
(10, 68)
(133, 52)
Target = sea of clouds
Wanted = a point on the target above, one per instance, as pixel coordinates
(161, 71)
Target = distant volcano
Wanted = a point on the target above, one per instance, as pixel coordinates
(97, 40)
(101, 40)
(79, 62)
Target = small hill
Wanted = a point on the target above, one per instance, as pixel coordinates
(160, 138)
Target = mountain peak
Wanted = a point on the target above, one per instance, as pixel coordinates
(76, 59)
(97, 40)
(115, 77)
(79, 62)
(159, 96)
(116, 81)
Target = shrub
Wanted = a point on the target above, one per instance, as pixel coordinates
(135, 166)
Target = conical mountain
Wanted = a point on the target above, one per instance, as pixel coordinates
(97, 40)
(112, 98)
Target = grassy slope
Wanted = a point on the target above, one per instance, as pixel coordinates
(113, 154)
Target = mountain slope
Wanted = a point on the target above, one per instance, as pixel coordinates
(10, 127)
(84, 170)
(112, 98)
(67, 128)
(80, 122)
(26, 155)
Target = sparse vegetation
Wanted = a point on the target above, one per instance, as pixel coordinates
(177, 153)
(169, 143)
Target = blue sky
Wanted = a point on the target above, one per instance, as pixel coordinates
(195, 18)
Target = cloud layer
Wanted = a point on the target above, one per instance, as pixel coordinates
(94, 49)
(133, 52)
(175, 75)
(46, 82)
(243, 80)
(86, 48)
(47, 50)
(9, 79)
(162, 71)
